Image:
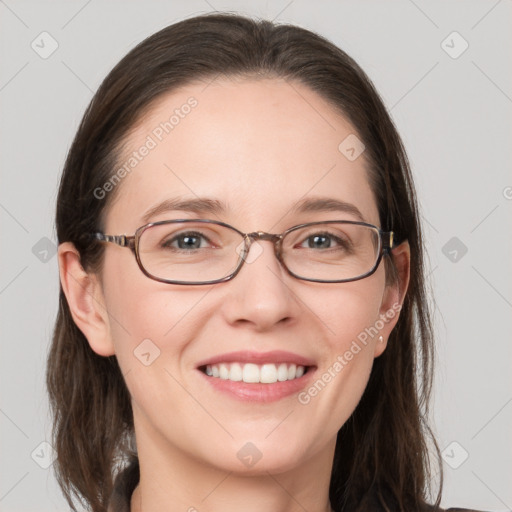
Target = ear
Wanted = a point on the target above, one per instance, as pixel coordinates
(85, 299)
(394, 295)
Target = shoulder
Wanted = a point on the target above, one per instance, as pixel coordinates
(452, 509)
(432, 508)
(462, 510)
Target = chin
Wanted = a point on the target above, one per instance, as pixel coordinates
(253, 458)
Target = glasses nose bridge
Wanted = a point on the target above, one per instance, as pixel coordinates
(268, 237)
(262, 235)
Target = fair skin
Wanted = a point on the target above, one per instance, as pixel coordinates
(259, 146)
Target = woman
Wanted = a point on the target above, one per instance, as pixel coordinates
(243, 305)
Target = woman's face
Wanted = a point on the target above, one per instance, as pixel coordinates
(258, 147)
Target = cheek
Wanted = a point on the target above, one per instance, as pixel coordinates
(158, 318)
(153, 334)
(349, 317)
(149, 321)
(350, 311)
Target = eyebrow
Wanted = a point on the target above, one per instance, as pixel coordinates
(203, 205)
(327, 204)
(199, 205)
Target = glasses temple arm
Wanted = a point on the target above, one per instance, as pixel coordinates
(388, 242)
(122, 240)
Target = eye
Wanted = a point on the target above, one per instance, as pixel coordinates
(324, 240)
(186, 241)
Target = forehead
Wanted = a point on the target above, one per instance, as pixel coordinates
(258, 146)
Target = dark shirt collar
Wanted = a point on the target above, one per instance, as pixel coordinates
(124, 485)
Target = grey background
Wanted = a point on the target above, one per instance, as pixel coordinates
(454, 115)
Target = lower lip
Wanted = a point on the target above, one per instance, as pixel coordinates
(258, 392)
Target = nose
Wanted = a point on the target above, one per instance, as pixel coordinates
(260, 296)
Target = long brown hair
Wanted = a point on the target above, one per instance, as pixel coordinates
(382, 451)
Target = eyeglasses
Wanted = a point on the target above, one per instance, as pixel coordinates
(201, 251)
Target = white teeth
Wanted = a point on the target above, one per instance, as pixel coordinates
(282, 372)
(236, 372)
(268, 374)
(253, 373)
(223, 372)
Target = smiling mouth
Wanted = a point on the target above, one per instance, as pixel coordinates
(251, 373)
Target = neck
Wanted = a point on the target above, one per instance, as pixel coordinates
(174, 480)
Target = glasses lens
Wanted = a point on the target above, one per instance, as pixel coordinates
(190, 252)
(331, 251)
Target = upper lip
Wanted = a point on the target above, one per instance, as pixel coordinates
(246, 356)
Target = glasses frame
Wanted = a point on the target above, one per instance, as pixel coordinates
(132, 242)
